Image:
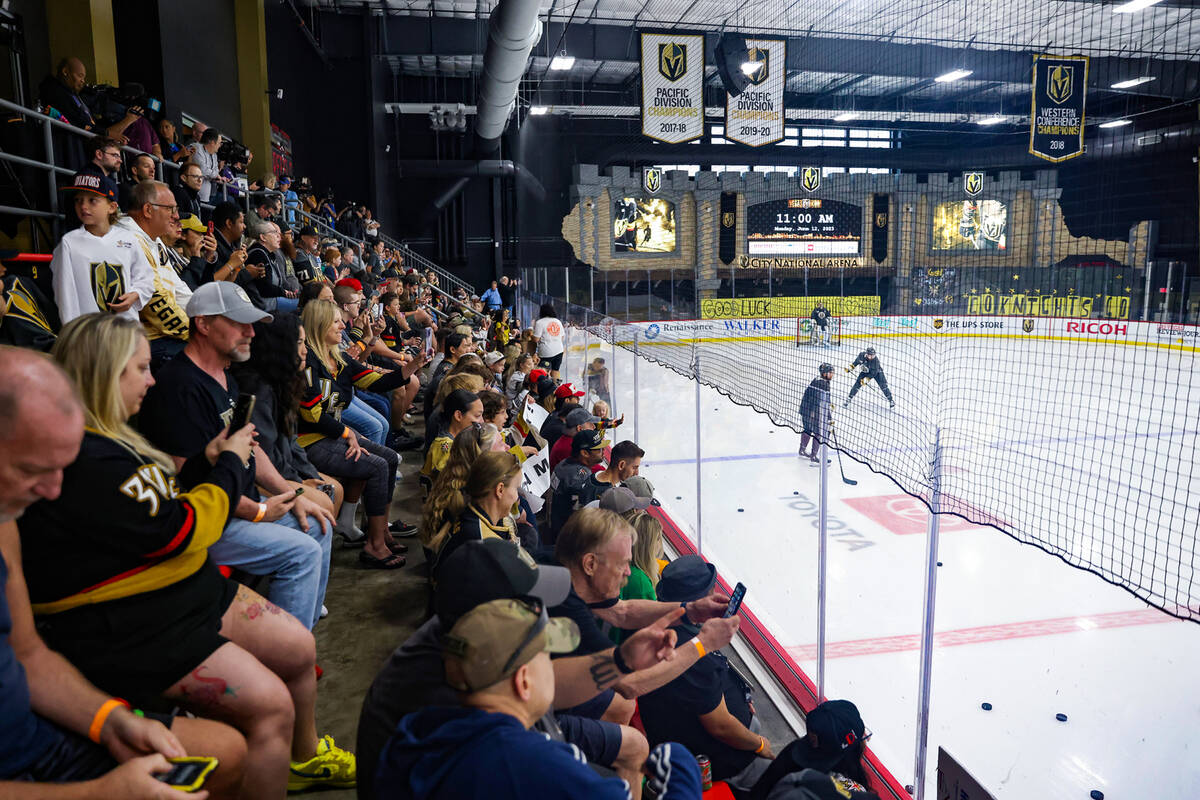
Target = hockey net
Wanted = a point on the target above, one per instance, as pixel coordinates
(809, 332)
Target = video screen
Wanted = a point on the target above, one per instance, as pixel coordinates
(643, 225)
(970, 225)
(802, 226)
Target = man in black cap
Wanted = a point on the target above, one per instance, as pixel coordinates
(307, 263)
(708, 707)
(833, 746)
(871, 370)
(571, 480)
(814, 411)
(477, 573)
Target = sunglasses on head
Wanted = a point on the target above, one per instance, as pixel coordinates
(537, 607)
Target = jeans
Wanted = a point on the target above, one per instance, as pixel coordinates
(286, 305)
(380, 403)
(298, 565)
(366, 421)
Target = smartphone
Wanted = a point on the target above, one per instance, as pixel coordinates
(242, 412)
(210, 227)
(299, 491)
(327, 488)
(735, 599)
(188, 774)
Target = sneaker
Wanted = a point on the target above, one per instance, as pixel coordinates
(331, 766)
(324, 611)
(402, 529)
(356, 538)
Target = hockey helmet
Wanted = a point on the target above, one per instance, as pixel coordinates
(826, 367)
(870, 351)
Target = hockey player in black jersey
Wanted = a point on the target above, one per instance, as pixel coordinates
(872, 370)
(820, 323)
(814, 411)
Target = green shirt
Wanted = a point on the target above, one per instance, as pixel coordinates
(638, 587)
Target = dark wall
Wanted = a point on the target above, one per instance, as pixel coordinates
(325, 106)
(199, 63)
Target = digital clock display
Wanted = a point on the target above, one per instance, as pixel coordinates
(803, 226)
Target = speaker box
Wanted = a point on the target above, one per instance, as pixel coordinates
(730, 54)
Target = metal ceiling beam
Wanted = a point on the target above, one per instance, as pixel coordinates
(448, 36)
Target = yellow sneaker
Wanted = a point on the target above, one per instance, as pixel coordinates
(331, 767)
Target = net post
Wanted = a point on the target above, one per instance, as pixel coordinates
(930, 603)
(699, 480)
(612, 373)
(822, 541)
(636, 358)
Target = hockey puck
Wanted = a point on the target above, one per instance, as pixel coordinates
(939, 563)
(1061, 717)
(795, 493)
(986, 706)
(1097, 794)
(740, 510)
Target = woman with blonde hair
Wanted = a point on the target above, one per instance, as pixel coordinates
(434, 419)
(483, 507)
(330, 380)
(443, 504)
(141, 608)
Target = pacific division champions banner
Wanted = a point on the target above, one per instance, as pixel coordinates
(672, 86)
(1057, 115)
(755, 117)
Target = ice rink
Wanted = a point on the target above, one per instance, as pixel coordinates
(1089, 445)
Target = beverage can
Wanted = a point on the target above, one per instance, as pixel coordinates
(705, 772)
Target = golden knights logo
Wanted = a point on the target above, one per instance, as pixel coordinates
(973, 183)
(1060, 83)
(937, 324)
(810, 179)
(762, 57)
(881, 220)
(652, 179)
(672, 60)
(107, 283)
(727, 219)
(1027, 325)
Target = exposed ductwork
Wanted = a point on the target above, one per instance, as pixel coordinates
(513, 30)
(463, 171)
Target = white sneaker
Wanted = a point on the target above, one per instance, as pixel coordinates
(324, 612)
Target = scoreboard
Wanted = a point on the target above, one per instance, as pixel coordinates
(801, 226)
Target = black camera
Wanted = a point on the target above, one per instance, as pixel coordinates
(233, 152)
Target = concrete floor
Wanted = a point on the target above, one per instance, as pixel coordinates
(372, 611)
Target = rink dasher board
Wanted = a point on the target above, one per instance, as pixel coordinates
(1182, 338)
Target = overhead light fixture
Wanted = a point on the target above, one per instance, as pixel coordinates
(993, 120)
(538, 111)
(845, 116)
(562, 62)
(1134, 5)
(953, 75)
(1132, 82)
(1116, 123)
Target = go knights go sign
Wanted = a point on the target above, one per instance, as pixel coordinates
(672, 86)
(1056, 116)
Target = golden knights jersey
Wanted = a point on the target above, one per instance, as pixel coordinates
(88, 272)
(163, 316)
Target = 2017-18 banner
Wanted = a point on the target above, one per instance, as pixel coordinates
(755, 117)
(672, 86)
(1059, 99)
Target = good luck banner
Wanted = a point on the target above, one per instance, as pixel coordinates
(755, 117)
(672, 86)
(1057, 114)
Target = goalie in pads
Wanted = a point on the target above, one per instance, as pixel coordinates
(820, 325)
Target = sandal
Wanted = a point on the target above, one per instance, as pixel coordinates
(394, 561)
(397, 548)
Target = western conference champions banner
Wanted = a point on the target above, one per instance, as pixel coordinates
(755, 117)
(672, 86)
(1056, 117)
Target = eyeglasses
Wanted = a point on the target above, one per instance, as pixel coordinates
(112, 153)
(534, 605)
(172, 209)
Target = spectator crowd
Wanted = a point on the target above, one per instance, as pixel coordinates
(199, 401)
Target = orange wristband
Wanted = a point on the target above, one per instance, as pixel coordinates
(102, 716)
(700, 651)
(346, 432)
(762, 745)
(262, 512)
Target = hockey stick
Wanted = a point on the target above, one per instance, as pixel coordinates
(838, 450)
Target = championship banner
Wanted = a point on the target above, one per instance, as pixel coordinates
(1056, 116)
(879, 228)
(672, 86)
(755, 117)
(727, 243)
